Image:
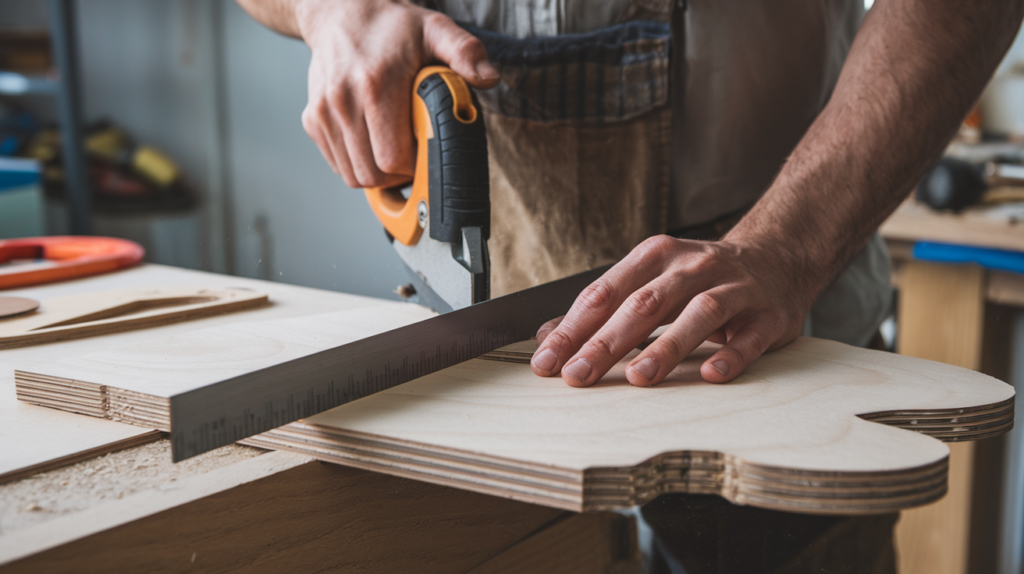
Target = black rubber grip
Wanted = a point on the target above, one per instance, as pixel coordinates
(459, 179)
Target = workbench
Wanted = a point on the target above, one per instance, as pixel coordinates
(122, 506)
(962, 315)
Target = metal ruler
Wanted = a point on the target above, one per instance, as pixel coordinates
(233, 409)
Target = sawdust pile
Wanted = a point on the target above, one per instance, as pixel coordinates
(47, 495)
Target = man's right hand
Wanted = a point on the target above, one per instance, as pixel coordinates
(366, 54)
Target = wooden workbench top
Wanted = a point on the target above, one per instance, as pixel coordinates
(1000, 227)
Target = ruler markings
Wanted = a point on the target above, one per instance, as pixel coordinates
(236, 408)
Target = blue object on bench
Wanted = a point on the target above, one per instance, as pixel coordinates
(1000, 259)
(22, 209)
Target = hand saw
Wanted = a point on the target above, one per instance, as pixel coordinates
(440, 231)
(233, 409)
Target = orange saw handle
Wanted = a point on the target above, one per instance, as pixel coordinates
(451, 187)
(70, 257)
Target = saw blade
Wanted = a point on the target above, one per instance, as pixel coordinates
(233, 409)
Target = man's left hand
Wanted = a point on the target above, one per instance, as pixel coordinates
(748, 299)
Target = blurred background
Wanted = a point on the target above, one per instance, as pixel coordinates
(199, 90)
(189, 117)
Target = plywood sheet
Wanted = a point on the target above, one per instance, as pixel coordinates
(785, 435)
(134, 384)
(35, 438)
(792, 433)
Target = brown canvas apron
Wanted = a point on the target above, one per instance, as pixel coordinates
(579, 137)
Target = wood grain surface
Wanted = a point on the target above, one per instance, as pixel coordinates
(980, 227)
(92, 314)
(34, 438)
(935, 539)
(133, 384)
(799, 431)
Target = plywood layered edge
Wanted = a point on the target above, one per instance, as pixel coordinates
(610, 488)
(814, 427)
(93, 399)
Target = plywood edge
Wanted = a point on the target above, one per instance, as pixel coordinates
(91, 399)
(697, 472)
(611, 488)
(952, 425)
(594, 489)
(59, 531)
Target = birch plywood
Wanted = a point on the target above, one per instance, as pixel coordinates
(793, 433)
(786, 435)
(134, 384)
(34, 438)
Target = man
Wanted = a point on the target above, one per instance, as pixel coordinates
(778, 124)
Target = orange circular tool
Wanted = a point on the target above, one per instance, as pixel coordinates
(68, 257)
(404, 218)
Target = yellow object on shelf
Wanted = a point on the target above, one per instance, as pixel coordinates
(154, 166)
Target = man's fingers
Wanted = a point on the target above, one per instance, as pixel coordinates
(719, 337)
(464, 53)
(546, 329)
(356, 135)
(601, 299)
(390, 133)
(316, 133)
(544, 359)
(592, 308)
(743, 348)
(703, 316)
(326, 133)
(639, 315)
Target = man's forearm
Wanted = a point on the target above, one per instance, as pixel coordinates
(915, 69)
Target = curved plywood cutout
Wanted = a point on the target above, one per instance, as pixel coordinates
(799, 431)
(104, 312)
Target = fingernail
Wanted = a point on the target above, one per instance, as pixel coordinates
(578, 369)
(485, 70)
(545, 360)
(721, 367)
(646, 368)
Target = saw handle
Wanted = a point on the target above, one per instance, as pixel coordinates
(451, 184)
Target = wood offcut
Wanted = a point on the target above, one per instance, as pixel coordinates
(92, 314)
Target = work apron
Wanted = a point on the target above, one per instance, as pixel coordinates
(581, 155)
(580, 144)
(579, 135)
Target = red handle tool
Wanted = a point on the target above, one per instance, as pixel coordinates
(70, 257)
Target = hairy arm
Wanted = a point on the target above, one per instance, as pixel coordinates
(913, 72)
(912, 75)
